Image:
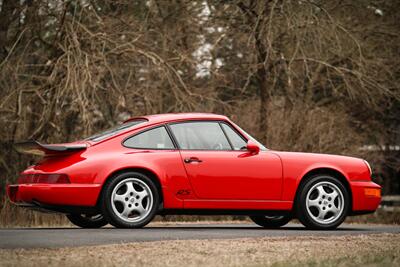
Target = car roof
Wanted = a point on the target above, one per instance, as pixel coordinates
(157, 118)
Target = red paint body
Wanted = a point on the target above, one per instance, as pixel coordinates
(226, 180)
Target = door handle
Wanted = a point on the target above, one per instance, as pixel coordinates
(192, 159)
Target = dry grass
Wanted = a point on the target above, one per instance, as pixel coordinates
(381, 216)
(325, 251)
(11, 216)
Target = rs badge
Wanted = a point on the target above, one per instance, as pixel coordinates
(183, 192)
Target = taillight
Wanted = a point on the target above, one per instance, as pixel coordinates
(41, 178)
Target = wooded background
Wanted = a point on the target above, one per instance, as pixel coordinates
(314, 76)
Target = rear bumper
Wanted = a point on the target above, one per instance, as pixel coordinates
(366, 196)
(54, 194)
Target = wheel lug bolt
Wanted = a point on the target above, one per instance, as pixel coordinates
(126, 199)
(320, 202)
(329, 198)
(136, 204)
(137, 197)
(323, 208)
(329, 205)
(129, 205)
(131, 194)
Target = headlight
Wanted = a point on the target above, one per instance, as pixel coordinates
(369, 167)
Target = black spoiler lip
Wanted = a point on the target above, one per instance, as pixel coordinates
(35, 148)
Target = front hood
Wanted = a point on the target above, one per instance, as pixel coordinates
(299, 164)
(317, 157)
(304, 162)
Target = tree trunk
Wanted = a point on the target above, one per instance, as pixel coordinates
(7, 15)
(262, 78)
(264, 101)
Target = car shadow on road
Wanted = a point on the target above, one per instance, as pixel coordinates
(299, 228)
(192, 228)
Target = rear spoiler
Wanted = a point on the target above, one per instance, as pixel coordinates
(36, 148)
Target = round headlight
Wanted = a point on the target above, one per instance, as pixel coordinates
(369, 167)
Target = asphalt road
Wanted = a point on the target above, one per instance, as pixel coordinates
(70, 237)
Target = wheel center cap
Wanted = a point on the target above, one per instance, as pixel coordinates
(325, 202)
(132, 200)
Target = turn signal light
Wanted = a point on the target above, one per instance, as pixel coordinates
(53, 178)
(372, 192)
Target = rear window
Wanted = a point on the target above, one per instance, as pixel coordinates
(114, 130)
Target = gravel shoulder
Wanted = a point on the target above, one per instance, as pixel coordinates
(347, 250)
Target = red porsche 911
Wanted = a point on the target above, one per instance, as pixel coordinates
(190, 164)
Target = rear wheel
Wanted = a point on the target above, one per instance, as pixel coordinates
(87, 221)
(322, 203)
(130, 200)
(271, 221)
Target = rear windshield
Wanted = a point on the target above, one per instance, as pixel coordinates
(114, 130)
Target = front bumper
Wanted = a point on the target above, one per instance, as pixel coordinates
(366, 196)
(54, 194)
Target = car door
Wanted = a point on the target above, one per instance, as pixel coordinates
(219, 167)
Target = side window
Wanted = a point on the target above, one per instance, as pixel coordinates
(236, 140)
(156, 138)
(200, 135)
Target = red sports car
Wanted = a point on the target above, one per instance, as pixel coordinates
(190, 164)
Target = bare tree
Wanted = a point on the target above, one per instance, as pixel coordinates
(318, 76)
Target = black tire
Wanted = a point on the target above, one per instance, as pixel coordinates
(86, 221)
(303, 214)
(106, 200)
(271, 222)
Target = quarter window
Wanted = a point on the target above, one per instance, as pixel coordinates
(200, 136)
(237, 142)
(156, 138)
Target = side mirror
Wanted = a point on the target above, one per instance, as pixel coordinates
(252, 147)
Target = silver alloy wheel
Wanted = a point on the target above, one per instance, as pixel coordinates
(132, 200)
(325, 202)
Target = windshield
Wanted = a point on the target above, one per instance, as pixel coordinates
(113, 131)
(262, 147)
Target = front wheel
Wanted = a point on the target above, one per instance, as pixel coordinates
(271, 222)
(322, 203)
(130, 200)
(87, 221)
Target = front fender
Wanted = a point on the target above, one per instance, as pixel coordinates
(296, 166)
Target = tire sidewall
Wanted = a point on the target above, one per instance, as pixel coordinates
(302, 212)
(271, 223)
(80, 221)
(106, 205)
